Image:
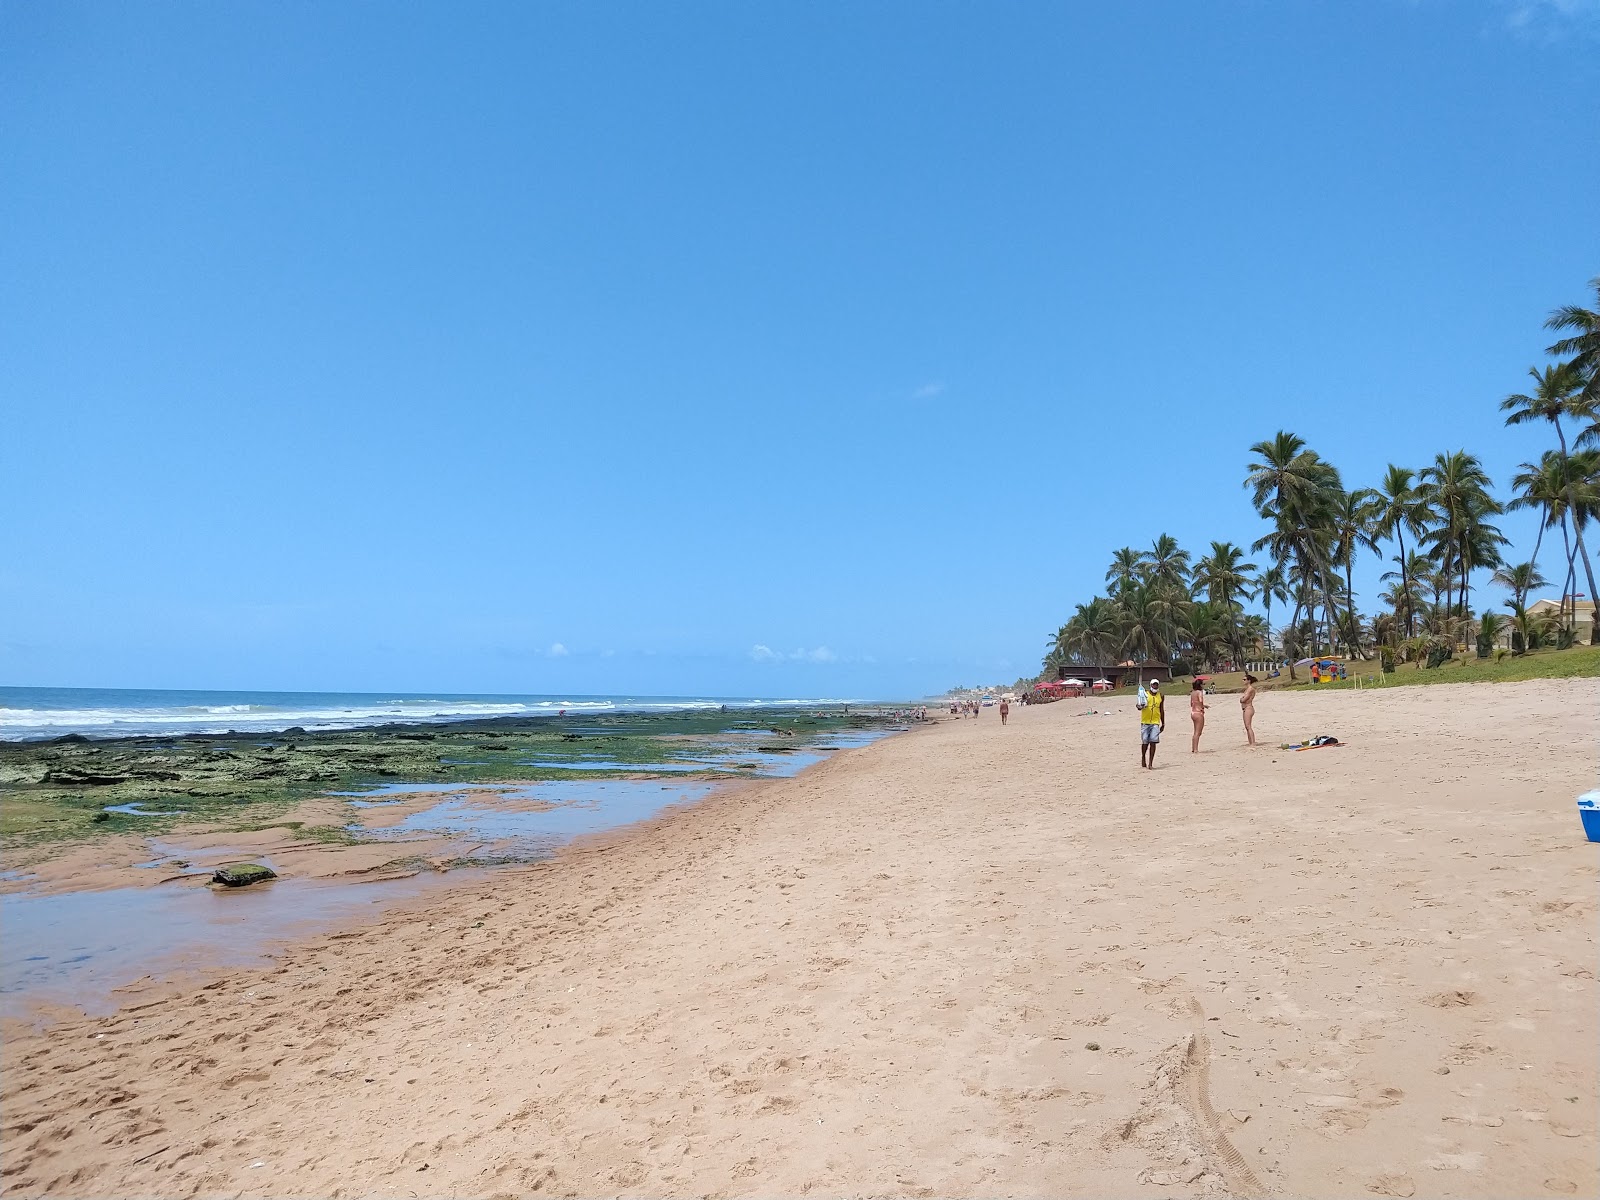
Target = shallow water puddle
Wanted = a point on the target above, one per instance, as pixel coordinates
(77, 947)
(555, 812)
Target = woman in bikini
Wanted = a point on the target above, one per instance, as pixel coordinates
(1247, 706)
(1197, 713)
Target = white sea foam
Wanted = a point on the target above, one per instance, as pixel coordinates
(25, 722)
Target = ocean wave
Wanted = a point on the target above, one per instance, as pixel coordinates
(28, 723)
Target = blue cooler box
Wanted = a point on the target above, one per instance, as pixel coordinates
(1589, 813)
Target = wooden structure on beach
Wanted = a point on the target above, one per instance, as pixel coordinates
(1120, 674)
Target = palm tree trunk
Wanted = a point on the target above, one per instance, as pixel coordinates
(1567, 580)
(1400, 537)
(1577, 533)
(1539, 540)
(1294, 620)
(1350, 611)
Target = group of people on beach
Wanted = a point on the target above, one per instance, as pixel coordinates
(1153, 717)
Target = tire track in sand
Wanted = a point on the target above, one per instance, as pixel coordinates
(1194, 1089)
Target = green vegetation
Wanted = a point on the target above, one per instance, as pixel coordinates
(66, 789)
(1163, 605)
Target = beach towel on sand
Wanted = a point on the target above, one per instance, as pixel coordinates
(1316, 743)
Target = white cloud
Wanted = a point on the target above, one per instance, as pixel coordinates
(557, 650)
(1551, 20)
(820, 654)
(928, 391)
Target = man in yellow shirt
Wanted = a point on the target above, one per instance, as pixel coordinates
(1152, 724)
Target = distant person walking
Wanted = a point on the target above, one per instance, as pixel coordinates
(1005, 710)
(1152, 723)
(1247, 707)
(1197, 713)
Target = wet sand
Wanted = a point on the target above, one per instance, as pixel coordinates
(971, 960)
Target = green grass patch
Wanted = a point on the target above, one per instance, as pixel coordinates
(1580, 662)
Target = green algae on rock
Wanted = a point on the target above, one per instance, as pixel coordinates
(242, 874)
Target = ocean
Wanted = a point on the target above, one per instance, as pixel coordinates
(28, 714)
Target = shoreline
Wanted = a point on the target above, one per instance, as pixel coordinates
(69, 794)
(885, 974)
(424, 857)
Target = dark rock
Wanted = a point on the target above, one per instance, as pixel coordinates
(242, 874)
(69, 739)
(82, 778)
(295, 730)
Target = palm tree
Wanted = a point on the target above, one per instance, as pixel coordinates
(1455, 489)
(1271, 586)
(1398, 510)
(1583, 345)
(1143, 624)
(1520, 580)
(1404, 596)
(1092, 635)
(1490, 625)
(1204, 631)
(1165, 563)
(1291, 487)
(1224, 577)
(1532, 627)
(1355, 524)
(1166, 567)
(1566, 389)
(1127, 568)
(1256, 633)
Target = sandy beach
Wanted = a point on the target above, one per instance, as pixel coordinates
(968, 960)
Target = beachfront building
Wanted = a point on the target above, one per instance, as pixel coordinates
(1553, 611)
(1582, 612)
(1120, 674)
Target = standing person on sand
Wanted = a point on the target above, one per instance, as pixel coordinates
(1197, 713)
(1005, 710)
(1152, 723)
(1247, 706)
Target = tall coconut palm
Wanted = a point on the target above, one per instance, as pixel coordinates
(1204, 630)
(1405, 596)
(1583, 344)
(1144, 624)
(1560, 391)
(1270, 586)
(1543, 485)
(1166, 566)
(1519, 579)
(1355, 518)
(1225, 578)
(1166, 563)
(1127, 568)
(1256, 634)
(1092, 633)
(1399, 510)
(1455, 490)
(1291, 487)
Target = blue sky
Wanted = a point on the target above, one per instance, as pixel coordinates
(780, 349)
